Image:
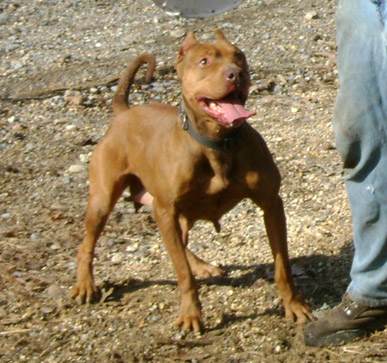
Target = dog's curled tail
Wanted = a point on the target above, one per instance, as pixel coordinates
(120, 99)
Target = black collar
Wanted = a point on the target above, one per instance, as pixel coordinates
(223, 144)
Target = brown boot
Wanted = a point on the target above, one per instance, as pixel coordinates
(345, 322)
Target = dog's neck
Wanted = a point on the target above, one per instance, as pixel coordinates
(205, 132)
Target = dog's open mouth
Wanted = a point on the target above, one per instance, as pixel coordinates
(228, 111)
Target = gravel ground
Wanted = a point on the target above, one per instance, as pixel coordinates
(58, 67)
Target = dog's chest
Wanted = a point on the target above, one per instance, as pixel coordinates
(200, 204)
(212, 190)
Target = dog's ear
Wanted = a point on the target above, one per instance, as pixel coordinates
(189, 41)
(220, 37)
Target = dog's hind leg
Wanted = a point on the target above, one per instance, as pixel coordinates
(199, 267)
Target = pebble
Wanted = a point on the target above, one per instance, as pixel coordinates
(34, 237)
(117, 258)
(55, 246)
(5, 216)
(67, 179)
(76, 168)
(15, 65)
(55, 292)
(3, 19)
(71, 127)
(84, 158)
(132, 248)
(47, 309)
(74, 98)
(178, 33)
(179, 335)
(311, 15)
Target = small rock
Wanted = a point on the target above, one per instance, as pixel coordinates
(117, 258)
(3, 19)
(34, 237)
(154, 318)
(55, 292)
(66, 179)
(10, 46)
(74, 98)
(311, 15)
(15, 65)
(76, 168)
(47, 309)
(72, 265)
(177, 33)
(67, 58)
(84, 158)
(180, 335)
(55, 246)
(132, 248)
(70, 127)
(17, 127)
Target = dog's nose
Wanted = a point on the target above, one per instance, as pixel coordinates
(231, 73)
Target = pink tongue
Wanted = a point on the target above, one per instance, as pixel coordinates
(233, 111)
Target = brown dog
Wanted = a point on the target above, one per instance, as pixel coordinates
(196, 163)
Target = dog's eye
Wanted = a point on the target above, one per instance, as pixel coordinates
(203, 62)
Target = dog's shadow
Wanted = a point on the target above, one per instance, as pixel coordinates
(321, 278)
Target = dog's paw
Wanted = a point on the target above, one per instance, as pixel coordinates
(84, 291)
(190, 314)
(297, 310)
(190, 322)
(206, 270)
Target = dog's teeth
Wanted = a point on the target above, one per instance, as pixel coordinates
(213, 105)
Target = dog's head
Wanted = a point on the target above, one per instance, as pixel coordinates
(215, 79)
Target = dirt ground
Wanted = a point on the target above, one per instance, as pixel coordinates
(59, 61)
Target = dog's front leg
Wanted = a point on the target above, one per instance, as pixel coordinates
(275, 222)
(168, 222)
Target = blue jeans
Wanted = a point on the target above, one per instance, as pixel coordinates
(360, 125)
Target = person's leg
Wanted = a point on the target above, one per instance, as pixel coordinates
(361, 134)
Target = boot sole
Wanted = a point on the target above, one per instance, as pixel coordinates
(337, 338)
